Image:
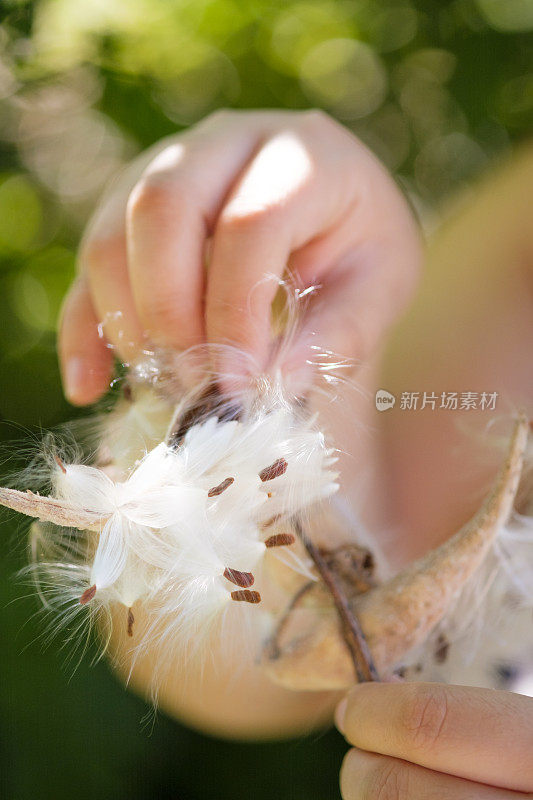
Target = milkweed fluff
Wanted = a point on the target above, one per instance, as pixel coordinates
(486, 638)
(184, 516)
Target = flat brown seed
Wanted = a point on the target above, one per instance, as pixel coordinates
(131, 620)
(244, 579)
(88, 595)
(247, 596)
(216, 490)
(276, 469)
(441, 649)
(60, 465)
(280, 540)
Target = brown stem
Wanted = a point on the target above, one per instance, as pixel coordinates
(363, 662)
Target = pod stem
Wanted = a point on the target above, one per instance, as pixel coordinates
(364, 666)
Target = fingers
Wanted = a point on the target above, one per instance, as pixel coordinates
(367, 776)
(479, 734)
(311, 195)
(104, 261)
(166, 236)
(170, 215)
(86, 362)
(316, 199)
(251, 246)
(377, 255)
(365, 294)
(289, 193)
(143, 253)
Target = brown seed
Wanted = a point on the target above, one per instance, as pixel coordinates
(441, 650)
(244, 579)
(276, 469)
(401, 672)
(280, 540)
(216, 490)
(247, 596)
(368, 562)
(88, 595)
(131, 620)
(60, 465)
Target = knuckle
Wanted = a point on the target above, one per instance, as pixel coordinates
(319, 120)
(159, 203)
(221, 115)
(316, 116)
(98, 253)
(240, 220)
(424, 717)
(147, 197)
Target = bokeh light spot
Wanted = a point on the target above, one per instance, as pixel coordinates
(345, 76)
(508, 15)
(30, 300)
(20, 213)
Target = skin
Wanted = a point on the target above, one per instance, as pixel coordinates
(430, 741)
(262, 191)
(471, 327)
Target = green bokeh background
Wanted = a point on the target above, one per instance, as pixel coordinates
(440, 90)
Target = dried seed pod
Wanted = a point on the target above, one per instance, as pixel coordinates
(401, 613)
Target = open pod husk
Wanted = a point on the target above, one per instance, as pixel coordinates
(309, 651)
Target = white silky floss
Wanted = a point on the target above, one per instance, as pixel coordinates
(185, 532)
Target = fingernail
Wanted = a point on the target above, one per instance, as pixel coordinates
(74, 377)
(340, 713)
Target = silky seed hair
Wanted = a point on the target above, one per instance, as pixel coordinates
(193, 496)
(193, 492)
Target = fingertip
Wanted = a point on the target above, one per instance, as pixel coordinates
(86, 363)
(340, 713)
(83, 382)
(356, 771)
(353, 711)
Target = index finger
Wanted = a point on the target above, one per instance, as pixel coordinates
(480, 734)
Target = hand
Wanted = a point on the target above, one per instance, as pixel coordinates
(425, 741)
(265, 190)
(253, 194)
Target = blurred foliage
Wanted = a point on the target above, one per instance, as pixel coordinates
(438, 89)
